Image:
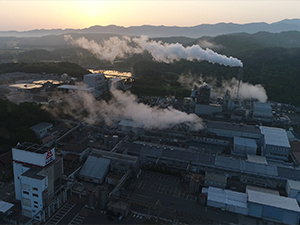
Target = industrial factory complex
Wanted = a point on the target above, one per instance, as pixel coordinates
(242, 167)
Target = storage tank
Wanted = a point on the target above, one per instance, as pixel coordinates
(91, 199)
(102, 197)
(115, 140)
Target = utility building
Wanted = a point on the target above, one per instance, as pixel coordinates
(37, 179)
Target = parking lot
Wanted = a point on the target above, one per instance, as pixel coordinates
(167, 197)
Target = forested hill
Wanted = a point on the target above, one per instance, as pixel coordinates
(272, 60)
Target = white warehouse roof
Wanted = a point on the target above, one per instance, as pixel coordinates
(275, 136)
(273, 200)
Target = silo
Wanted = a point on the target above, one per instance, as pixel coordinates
(115, 140)
(91, 199)
(102, 197)
(105, 140)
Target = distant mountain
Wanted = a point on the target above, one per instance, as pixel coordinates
(168, 31)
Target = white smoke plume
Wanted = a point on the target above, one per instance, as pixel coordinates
(208, 44)
(189, 81)
(247, 91)
(125, 106)
(115, 47)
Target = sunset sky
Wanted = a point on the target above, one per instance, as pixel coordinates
(40, 14)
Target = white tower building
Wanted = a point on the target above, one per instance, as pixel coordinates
(37, 178)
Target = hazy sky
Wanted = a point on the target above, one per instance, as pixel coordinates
(26, 15)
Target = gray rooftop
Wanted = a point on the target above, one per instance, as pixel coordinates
(33, 173)
(5, 206)
(275, 136)
(37, 148)
(115, 156)
(41, 126)
(244, 166)
(244, 142)
(273, 200)
(232, 126)
(95, 167)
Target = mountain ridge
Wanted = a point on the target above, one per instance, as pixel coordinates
(167, 31)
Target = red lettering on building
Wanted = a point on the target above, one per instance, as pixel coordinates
(49, 154)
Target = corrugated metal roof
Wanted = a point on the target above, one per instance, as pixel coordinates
(275, 136)
(244, 142)
(5, 206)
(244, 166)
(95, 167)
(227, 197)
(273, 200)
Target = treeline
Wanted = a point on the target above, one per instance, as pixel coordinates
(16, 121)
(71, 69)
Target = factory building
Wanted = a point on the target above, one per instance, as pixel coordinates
(215, 180)
(262, 112)
(293, 189)
(209, 109)
(41, 129)
(243, 146)
(273, 207)
(37, 179)
(231, 201)
(257, 202)
(94, 169)
(224, 129)
(118, 162)
(94, 80)
(275, 143)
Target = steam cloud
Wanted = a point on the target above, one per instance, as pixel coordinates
(247, 91)
(124, 105)
(115, 47)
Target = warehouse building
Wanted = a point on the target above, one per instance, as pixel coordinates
(41, 129)
(231, 201)
(275, 143)
(273, 207)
